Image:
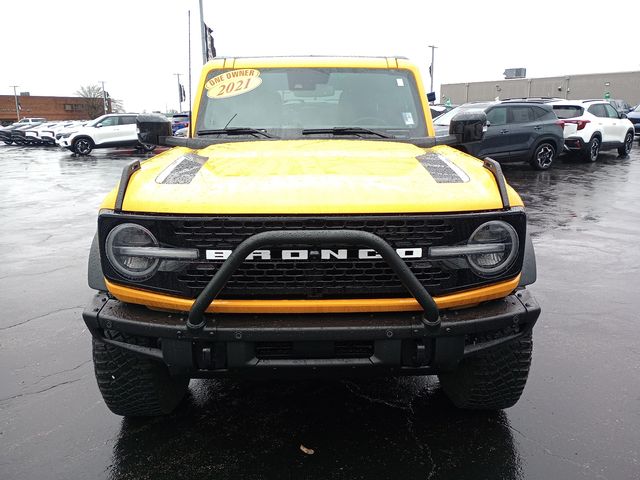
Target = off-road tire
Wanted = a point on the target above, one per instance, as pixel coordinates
(543, 156)
(134, 386)
(83, 145)
(624, 150)
(592, 150)
(490, 380)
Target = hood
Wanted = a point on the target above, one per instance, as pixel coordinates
(311, 177)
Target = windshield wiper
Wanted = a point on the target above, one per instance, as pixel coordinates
(236, 131)
(344, 131)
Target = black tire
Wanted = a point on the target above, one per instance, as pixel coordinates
(83, 145)
(543, 156)
(624, 150)
(592, 150)
(132, 385)
(490, 380)
(8, 142)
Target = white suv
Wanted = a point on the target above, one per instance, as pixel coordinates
(593, 125)
(113, 130)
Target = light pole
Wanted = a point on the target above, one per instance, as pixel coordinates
(15, 96)
(104, 98)
(433, 50)
(179, 91)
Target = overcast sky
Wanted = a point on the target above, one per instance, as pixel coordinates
(52, 47)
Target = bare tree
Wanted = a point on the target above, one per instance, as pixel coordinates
(95, 102)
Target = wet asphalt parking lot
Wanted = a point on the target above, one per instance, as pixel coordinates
(579, 417)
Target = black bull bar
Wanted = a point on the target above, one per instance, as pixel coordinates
(430, 315)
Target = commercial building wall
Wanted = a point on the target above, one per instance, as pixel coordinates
(622, 85)
(51, 108)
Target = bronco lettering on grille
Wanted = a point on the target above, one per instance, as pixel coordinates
(323, 254)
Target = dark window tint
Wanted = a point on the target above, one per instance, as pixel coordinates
(497, 116)
(127, 120)
(598, 110)
(521, 115)
(540, 113)
(568, 111)
(611, 112)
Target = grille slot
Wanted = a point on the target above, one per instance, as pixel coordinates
(311, 350)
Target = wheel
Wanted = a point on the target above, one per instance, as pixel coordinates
(592, 150)
(8, 142)
(624, 150)
(491, 380)
(543, 156)
(83, 146)
(132, 385)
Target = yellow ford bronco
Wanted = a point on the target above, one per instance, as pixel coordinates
(311, 224)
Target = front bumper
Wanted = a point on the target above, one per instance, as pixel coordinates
(398, 343)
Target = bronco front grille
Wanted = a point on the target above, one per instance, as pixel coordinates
(313, 278)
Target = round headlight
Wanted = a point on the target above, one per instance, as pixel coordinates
(119, 242)
(501, 241)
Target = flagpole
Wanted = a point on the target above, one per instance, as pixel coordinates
(203, 34)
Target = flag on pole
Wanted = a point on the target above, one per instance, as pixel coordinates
(210, 48)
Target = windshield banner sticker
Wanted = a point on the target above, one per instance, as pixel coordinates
(235, 82)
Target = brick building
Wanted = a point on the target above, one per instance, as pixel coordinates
(51, 108)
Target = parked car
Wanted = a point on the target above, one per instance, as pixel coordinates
(634, 117)
(595, 126)
(516, 131)
(437, 110)
(112, 130)
(178, 121)
(620, 105)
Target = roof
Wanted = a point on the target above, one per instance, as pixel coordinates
(309, 60)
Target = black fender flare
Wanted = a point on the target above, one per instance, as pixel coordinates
(95, 276)
(529, 272)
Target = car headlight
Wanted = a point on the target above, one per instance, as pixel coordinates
(500, 241)
(123, 247)
(491, 249)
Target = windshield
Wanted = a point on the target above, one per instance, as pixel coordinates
(93, 123)
(445, 119)
(286, 101)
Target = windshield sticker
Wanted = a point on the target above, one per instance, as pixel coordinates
(235, 82)
(400, 82)
(408, 118)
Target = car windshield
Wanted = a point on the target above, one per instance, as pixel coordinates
(291, 102)
(93, 123)
(445, 119)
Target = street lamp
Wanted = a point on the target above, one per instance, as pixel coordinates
(15, 96)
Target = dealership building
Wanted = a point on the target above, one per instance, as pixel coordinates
(51, 108)
(619, 85)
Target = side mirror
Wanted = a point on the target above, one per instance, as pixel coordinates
(152, 127)
(468, 126)
(623, 115)
(98, 125)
